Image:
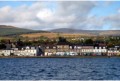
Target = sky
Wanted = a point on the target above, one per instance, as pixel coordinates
(48, 15)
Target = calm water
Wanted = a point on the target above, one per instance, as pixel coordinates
(60, 68)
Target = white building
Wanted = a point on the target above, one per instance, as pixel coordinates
(28, 51)
(24, 52)
(100, 50)
(66, 53)
(6, 52)
(113, 52)
(87, 50)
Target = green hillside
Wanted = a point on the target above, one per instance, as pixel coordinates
(10, 30)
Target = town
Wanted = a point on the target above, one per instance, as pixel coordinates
(61, 48)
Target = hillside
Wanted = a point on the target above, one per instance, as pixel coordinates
(90, 32)
(55, 35)
(66, 32)
(70, 33)
(11, 30)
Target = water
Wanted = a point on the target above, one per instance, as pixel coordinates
(60, 68)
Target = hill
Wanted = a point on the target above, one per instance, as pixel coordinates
(90, 32)
(71, 33)
(11, 30)
(65, 32)
(55, 35)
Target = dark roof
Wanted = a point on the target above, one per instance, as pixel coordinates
(102, 44)
(76, 44)
(87, 45)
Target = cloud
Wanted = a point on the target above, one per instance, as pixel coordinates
(27, 24)
(72, 14)
(113, 20)
(4, 14)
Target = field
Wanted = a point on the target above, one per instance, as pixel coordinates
(55, 35)
(5, 38)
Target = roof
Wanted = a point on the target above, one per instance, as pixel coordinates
(102, 44)
(87, 45)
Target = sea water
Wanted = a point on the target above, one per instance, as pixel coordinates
(60, 68)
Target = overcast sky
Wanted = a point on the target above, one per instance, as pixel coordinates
(86, 15)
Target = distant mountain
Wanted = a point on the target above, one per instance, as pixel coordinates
(90, 32)
(11, 30)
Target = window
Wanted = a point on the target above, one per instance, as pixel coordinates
(54, 47)
(78, 47)
(74, 47)
(103, 47)
(47, 47)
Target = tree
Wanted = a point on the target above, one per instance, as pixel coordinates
(110, 44)
(61, 39)
(3, 41)
(20, 44)
(2, 46)
(88, 41)
(27, 43)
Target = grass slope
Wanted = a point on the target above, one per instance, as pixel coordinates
(10, 30)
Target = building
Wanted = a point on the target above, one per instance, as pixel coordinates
(50, 50)
(114, 51)
(6, 52)
(25, 51)
(75, 48)
(87, 50)
(100, 51)
(62, 47)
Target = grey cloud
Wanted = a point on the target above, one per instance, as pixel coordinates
(66, 14)
(72, 14)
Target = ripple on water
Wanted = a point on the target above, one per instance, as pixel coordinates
(60, 69)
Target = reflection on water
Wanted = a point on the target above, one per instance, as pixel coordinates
(60, 68)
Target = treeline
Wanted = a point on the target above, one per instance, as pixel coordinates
(42, 40)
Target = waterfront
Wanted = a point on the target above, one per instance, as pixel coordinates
(60, 68)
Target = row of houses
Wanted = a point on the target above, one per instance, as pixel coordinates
(25, 51)
(62, 49)
(86, 50)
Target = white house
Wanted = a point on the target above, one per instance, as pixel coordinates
(27, 51)
(100, 50)
(113, 52)
(67, 53)
(75, 49)
(6, 52)
(87, 50)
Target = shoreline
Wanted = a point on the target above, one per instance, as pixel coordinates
(57, 56)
